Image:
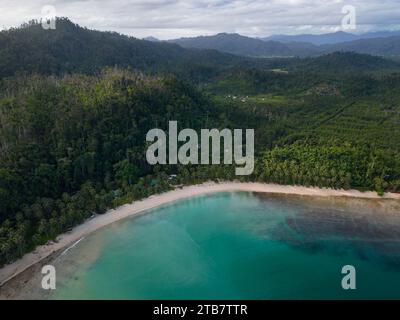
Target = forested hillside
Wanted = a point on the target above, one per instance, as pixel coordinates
(70, 48)
(75, 146)
(347, 62)
(389, 46)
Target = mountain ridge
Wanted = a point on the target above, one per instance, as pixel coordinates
(246, 46)
(330, 38)
(237, 44)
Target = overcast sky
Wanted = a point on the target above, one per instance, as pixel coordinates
(166, 19)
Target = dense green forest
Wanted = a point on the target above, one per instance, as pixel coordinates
(73, 123)
(74, 146)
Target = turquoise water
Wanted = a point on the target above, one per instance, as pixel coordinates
(238, 246)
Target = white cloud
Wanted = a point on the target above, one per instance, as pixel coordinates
(176, 18)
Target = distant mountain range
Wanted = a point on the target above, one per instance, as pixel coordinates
(378, 43)
(330, 38)
(71, 48)
(236, 44)
(152, 39)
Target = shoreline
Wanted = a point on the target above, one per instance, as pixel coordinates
(66, 240)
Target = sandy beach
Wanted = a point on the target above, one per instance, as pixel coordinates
(66, 240)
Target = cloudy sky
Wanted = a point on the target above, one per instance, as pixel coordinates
(166, 19)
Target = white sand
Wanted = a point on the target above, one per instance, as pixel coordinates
(63, 241)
